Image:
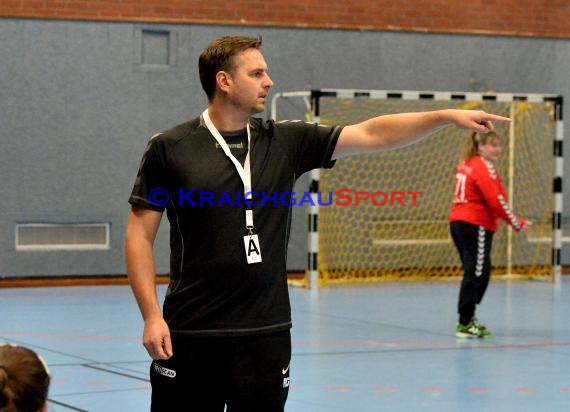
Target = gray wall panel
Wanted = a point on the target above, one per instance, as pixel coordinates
(77, 107)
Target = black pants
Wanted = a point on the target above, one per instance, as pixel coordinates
(248, 374)
(473, 243)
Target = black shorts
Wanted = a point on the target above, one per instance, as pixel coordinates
(246, 373)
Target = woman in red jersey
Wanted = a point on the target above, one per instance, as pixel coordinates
(479, 202)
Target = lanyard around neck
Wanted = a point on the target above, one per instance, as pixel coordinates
(243, 171)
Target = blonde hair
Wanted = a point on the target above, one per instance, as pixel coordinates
(24, 380)
(475, 139)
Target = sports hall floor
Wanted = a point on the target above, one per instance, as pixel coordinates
(387, 347)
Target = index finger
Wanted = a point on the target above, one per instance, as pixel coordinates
(488, 117)
(167, 346)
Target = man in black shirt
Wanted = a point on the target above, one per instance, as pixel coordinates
(222, 337)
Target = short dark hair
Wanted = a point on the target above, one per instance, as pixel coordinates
(218, 56)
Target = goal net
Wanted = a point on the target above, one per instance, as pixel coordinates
(383, 216)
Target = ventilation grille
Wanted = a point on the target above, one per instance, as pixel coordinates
(42, 236)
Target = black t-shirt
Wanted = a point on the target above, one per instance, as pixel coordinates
(213, 290)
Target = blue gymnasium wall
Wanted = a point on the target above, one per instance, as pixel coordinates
(77, 107)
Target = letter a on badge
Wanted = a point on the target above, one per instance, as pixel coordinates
(252, 249)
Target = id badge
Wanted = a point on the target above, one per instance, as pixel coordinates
(252, 249)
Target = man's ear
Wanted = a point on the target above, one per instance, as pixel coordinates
(223, 80)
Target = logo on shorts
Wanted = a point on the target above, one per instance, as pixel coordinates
(161, 370)
(286, 380)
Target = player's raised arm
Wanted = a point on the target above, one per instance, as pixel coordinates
(398, 130)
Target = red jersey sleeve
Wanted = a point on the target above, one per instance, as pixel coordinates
(491, 188)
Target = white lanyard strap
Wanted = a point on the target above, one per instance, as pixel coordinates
(244, 172)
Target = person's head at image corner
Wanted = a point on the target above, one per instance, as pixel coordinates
(24, 380)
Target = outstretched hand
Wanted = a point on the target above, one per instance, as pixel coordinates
(526, 224)
(476, 120)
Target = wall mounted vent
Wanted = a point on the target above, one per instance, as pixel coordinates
(48, 236)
